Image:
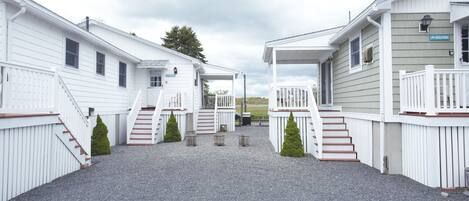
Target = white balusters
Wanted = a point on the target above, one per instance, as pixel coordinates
(155, 119)
(434, 91)
(174, 101)
(225, 101)
(288, 96)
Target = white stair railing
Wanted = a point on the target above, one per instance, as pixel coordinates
(72, 116)
(316, 120)
(133, 113)
(215, 116)
(155, 119)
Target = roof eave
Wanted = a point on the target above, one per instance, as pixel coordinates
(376, 8)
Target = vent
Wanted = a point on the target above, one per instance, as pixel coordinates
(368, 55)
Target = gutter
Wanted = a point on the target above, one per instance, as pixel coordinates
(22, 10)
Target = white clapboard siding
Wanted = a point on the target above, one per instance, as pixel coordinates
(435, 156)
(31, 156)
(226, 116)
(362, 135)
(180, 118)
(277, 125)
(37, 43)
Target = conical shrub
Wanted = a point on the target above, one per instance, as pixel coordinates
(172, 131)
(99, 141)
(292, 145)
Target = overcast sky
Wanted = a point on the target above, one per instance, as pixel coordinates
(232, 32)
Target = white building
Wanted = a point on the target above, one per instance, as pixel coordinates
(393, 94)
(56, 77)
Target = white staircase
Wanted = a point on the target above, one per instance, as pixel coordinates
(74, 146)
(206, 121)
(336, 142)
(142, 128)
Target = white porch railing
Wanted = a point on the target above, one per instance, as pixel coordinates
(174, 101)
(133, 113)
(155, 119)
(225, 102)
(289, 96)
(26, 89)
(215, 115)
(433, 91)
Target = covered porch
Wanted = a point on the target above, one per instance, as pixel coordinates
(217, 109)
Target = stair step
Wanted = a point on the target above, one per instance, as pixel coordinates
(333, 119)
(334, 139)
(339, 160)
(334, 126)
(335, 132)
(339, 154)
(337, 146)
(138, 118)
(133, 138)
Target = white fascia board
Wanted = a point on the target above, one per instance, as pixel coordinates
(139, 39)
(50, 16)
(374, 9)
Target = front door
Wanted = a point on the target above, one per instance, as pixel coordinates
(155, 83)
(462, 55)
(326, 86)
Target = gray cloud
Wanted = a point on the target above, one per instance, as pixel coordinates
(233, 33)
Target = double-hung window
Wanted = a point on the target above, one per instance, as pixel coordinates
(465, 43)
(100, 63)
(122, 74)
(71, 53)
(355, 54)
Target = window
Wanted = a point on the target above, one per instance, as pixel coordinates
(122, 74)
(71, 53)
(155, 78)
(465, 44)
(100, 63)
(355, 57)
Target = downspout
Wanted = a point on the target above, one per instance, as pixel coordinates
(382, 91)
(22, 10)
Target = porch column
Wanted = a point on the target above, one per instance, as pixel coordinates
(274, 66)
(233, 91)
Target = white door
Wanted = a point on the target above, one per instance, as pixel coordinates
(326, 83)
(462, 56)
(155, 84)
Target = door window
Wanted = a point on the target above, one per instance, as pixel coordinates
(155, 78)
(326, 95)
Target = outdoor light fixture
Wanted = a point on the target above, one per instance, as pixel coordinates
(175, 70)
(425, 23)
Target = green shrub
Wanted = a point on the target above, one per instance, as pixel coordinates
(292, 145)
(172, 131)
(99, 142)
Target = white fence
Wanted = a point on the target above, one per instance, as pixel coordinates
(32, 154)
(227, 117)
(434, 91)
(180, 118)
(435, 156)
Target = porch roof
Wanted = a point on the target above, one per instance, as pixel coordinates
(214, 72)
(306, 48)
(459, 11)
(155, 64)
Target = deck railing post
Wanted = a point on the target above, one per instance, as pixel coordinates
(403, 94)
(430, 90)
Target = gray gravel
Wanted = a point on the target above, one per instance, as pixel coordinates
(173, 171)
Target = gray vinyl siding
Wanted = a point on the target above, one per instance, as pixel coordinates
(413, 50)
(357, 92)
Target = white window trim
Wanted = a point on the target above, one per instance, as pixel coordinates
(161, 81)
(458, 45)
(358, 67)
(65, 52)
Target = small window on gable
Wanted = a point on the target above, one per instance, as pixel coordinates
(100, 63)
(355, 54)
(122, 74)
(71, 53)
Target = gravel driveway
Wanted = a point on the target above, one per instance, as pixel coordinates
(173, 171)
